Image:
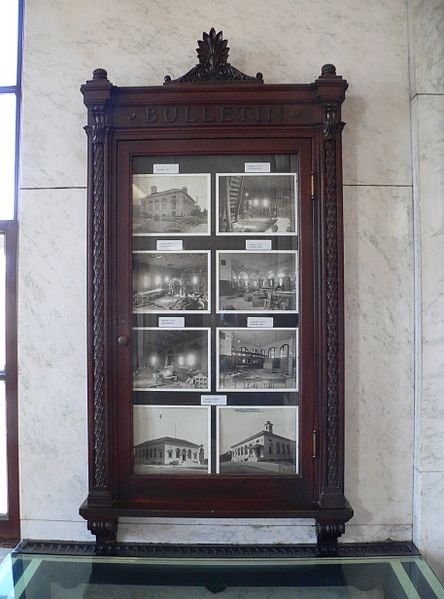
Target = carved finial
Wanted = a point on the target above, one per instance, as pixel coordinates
(100, 74)
(212, 52)
(328, 70)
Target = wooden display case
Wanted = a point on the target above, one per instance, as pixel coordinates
(215, 311)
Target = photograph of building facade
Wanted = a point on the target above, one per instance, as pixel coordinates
(170, 204)
(257, 359)
(171, 440)
(257, 281)
(270, 449)
(250, 203)
(167, 282)
(170, 359)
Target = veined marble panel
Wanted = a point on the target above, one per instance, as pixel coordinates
(52, 354)
(379, 354)
(250, 531)
(66, 41)
(431, 537)
(373, 533)
(426, 20)
(429, 167)
(55, 530)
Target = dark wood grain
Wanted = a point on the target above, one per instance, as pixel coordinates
(198, 119)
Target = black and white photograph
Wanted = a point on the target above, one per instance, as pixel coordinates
(171, 205)
(257, 281)
(167, 282)
(252, 204)
(171, 440)
(257, 360)
(257, 440)
(171, 359)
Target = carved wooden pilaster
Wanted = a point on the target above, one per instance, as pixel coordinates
(330, 90)
(332, 289)
(96, 93)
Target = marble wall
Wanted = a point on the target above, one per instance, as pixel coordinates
(426, 20)
(140, 41)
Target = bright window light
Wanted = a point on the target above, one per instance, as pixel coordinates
(8, 42)
(7, 155)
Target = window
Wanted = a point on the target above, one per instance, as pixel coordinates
(272, 352)
(283, 352)
(10, 93)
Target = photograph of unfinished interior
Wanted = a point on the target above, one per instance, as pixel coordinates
(257, 360)
(249, 204)
(171, 440)
(257, 440)
(171, 204)
(167, 282)
(257, 281)
(170, 359)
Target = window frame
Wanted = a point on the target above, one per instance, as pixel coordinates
(10, 522)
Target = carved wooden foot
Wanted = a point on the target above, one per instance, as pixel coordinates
(328, 534)
(105, 531)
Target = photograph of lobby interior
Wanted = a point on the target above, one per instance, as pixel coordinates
(257, 281)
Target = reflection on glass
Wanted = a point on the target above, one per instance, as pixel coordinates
(7, 155)
(8, 42)
(3, 457)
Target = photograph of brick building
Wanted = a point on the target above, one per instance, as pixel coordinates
(171, 440)
(171, 204)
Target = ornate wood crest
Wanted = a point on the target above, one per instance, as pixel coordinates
(212, 53)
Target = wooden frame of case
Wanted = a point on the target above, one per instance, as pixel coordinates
(215, 109)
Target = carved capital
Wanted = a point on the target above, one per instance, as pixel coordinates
(213, 66)
(328, 533)
(105, 530)
(330, 123)
(98, 124)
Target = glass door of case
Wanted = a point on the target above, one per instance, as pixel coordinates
(215, 308)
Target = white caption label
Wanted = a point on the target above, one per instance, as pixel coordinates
(171, 322)
(258, 322)
(166, 169)
(213, 400)
(257, 167)
(169, 245)
(258, 244)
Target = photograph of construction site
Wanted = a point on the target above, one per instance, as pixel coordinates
(259, 360)
(166, 282)
(252, 204)
(171, 204)
(257, 281)
(171, 359)
(257, 441)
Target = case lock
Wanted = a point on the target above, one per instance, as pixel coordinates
(122, 340)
